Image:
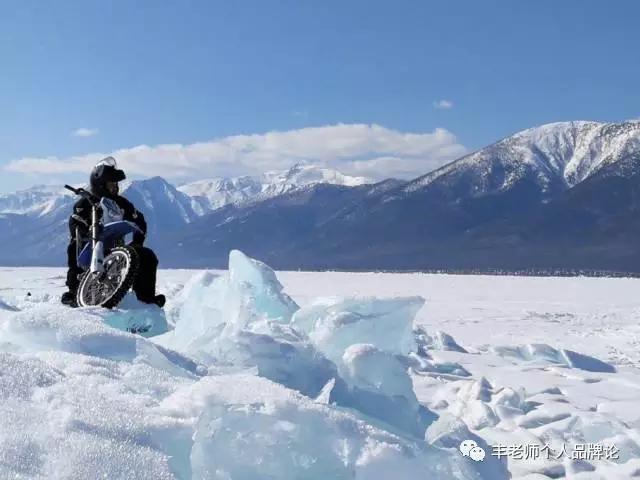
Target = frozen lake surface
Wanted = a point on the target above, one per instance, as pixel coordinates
(552, 362)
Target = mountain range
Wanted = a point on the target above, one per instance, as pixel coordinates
(562, 196)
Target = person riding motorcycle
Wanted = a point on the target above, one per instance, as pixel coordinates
(104, 183)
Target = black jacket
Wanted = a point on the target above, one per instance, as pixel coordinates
(81, 218)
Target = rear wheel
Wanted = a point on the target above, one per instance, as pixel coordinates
(108, 288)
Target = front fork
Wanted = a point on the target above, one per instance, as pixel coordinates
(97, 256)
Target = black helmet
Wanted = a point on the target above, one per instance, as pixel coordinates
(106, 170)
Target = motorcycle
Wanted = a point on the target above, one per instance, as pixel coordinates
(106, 278)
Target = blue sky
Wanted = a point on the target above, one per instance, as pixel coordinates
(189, 88)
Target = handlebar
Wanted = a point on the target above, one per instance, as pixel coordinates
(83, 193)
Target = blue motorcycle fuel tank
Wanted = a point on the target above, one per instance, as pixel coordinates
(111, 232)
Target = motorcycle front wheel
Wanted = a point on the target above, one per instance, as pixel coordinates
(108, 288)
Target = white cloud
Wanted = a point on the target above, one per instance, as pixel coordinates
(361, 149)
(443, 104)
(85, 132)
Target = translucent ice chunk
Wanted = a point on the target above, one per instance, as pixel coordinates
(252, 428)
(214, 306)
(379, 386)
(242, 319)
(541, 352)
(261, 291)
(136, 317)
(335, 324)
(368, 368)
(295, 364)
(201, 315)
(437, 341)
(449, 432)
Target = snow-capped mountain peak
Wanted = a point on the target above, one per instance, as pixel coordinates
(35, 201)
(554, 156)
(302, 174)
(576, 150)
(160, 202)
(208, 195)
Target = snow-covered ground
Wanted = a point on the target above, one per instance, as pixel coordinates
(527, 367)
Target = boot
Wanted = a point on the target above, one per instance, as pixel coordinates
(69, 298)
(160, 300)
